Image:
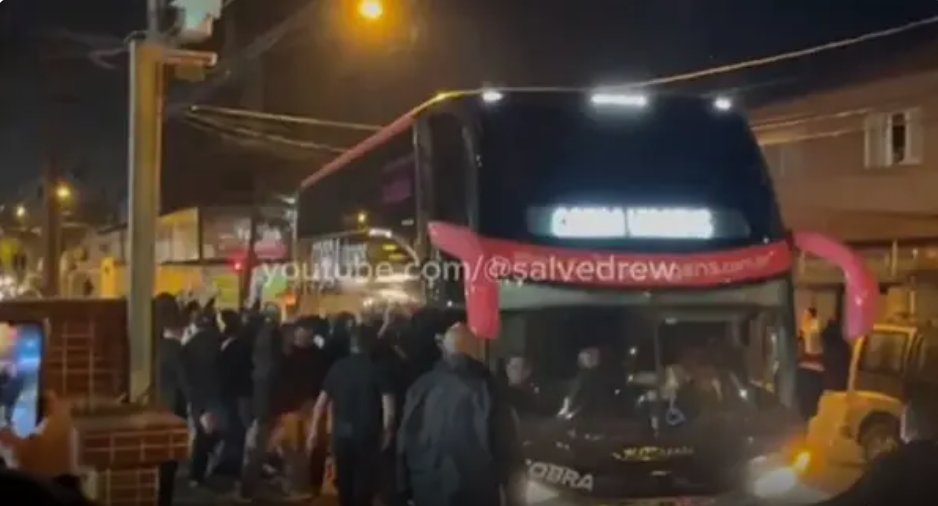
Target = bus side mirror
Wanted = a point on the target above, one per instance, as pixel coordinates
(862, 289)
(481, 291)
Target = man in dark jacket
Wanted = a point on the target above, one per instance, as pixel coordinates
(169, 325)
(359, 396)
(338, 345)
(420, 340)
(300, 379)
(202, 377)
(905, 476)
(268, 354)
(235, 383)
(522, 391)
(458, 443)
(836, 357)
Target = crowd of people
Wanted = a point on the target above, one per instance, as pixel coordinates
(270, 401)
(398, 401)
(400, 423)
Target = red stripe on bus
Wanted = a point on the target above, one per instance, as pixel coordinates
(481, 254)
(508, 259)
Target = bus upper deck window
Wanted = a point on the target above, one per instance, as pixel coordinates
(450, 170)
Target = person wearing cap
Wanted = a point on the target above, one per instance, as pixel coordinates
(359, 396)
(906, 475)
(458, 442)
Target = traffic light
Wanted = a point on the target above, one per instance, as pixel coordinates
(195, 18)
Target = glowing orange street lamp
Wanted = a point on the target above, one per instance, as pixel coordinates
(372, 10)
(63, 192)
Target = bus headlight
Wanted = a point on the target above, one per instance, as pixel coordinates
(537, 493)
(775, 483)
(773, 479)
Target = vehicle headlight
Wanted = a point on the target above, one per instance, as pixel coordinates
(775, 483)
(536, 493)
(774, 477)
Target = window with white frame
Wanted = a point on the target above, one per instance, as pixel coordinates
(893, 138)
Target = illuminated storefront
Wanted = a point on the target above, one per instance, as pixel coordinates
(202, 251)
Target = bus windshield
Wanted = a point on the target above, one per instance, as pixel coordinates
(650, 361)
(675, 151)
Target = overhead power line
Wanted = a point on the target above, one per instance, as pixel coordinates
(265, 42)
(697, 74)
(905, 100)
(771, 124)
(255, 134)
(824, 134)
(283, 118)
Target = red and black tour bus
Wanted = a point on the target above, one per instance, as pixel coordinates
(627, 260)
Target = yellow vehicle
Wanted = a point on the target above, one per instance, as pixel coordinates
(861, 423)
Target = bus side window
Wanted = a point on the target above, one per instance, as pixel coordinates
(450, 173)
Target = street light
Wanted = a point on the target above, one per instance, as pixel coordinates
(21, 211)
(63, 192)
(372, 10)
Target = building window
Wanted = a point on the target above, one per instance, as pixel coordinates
(893, 138)
(898, 134)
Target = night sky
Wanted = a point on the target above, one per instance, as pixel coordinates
(335, 68)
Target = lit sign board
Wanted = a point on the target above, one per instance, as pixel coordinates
(588, 222)
(639, 222)
(670, 223)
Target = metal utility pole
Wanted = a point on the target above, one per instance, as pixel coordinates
(146, 126)
(51, 226)
(250, 258)
(153, 18)
(55, 97)
(253, 97)
(149, 59)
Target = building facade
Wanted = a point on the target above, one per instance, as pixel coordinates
(860, 163)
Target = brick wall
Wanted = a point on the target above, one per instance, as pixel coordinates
(86, 349)
(85, 359)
